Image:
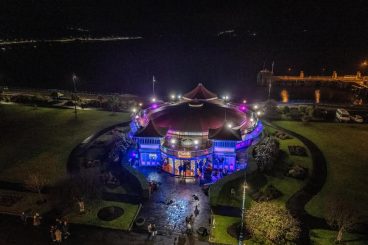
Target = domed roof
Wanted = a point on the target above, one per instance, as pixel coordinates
(196, 116)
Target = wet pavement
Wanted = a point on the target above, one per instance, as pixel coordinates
(173, 202)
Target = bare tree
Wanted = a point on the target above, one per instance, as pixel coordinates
(100, 100)
(341, 214)
(36, 182)
(269, 220)
(114, 103)
(267, 153)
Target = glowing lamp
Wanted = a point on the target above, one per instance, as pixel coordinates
(251, 119)
(255, 107)
(229, 125)
(134, 110)
(179, 96)
(173, 141)
(173, 96)
(258, 113)
(196, 142)
(140, 104)
(153, 99)
(244, 101)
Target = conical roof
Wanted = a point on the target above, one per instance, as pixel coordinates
(225, 133)
(200, 93)
(151, 131)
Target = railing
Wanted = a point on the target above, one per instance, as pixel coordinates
(181, 153)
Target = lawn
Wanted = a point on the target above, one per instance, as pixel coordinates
(346, 151)
(219, 231)
(26, 202)
(40, 140)
(288, 186)
(327, 237)
(90, 216)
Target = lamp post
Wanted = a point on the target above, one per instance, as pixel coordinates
(75, 78)
(241, 233)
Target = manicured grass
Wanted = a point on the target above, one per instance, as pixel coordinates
(288, 186)
(346, 151)
(219, 232)
(40, 141)
(27, 203)
(90, 216)
(327, 237)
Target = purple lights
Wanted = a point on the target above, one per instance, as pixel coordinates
(154, 106)
(243, 108)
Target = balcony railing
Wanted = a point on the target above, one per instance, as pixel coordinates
(185, 153)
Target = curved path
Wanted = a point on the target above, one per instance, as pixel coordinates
(296, 203)
(72, 164)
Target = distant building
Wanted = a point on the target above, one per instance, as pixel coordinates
(198, 132)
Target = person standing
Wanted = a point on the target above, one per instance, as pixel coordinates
(149, 229)
(58, 235)
(196, 211)
(36, 219)
(52, 233)
(65, 229)
(81, 206)
(23, 218)
(154, 231)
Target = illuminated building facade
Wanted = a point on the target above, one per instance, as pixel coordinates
(199, 133)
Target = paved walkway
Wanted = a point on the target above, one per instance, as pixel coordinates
(13, 232)
(173, 202)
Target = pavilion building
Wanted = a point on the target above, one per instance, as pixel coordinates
(196, 133)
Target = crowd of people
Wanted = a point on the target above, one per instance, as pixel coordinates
(59, 231)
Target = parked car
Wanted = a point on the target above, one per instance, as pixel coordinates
(342, 115)
(357, 118)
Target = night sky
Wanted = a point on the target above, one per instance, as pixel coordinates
(224, 44)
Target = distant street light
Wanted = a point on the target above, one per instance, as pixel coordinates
(255, 107)
(134, 110)
(173, 96)
(229, 125)
(140, 104)
(153, 99)
(179, 96)
(75, 79)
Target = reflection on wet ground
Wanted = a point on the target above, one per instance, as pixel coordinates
(173, 202)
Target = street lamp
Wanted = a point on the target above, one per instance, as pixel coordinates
(153, 99)
(245, 187)
(173, 96)
(75, 79)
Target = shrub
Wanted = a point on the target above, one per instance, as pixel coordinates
(270, 221)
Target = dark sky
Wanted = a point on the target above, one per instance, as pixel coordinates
(308, 35)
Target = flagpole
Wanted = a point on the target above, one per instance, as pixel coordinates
(153, 85)
(270, 81)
